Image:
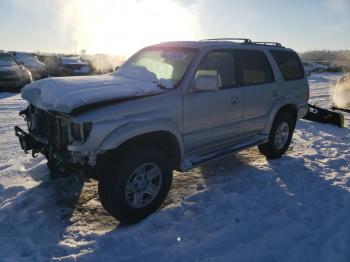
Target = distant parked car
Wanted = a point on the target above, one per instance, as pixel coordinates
(73, 66)
(308, 68)
(13, 76)
(320, 67)
(31, 62)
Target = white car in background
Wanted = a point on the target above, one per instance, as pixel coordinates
(13, 76)
(32, 63)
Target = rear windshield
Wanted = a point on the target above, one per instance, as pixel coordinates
(289, 64)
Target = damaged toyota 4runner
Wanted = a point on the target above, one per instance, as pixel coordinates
(171, 106)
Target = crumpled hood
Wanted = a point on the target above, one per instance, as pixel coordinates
(69, 93)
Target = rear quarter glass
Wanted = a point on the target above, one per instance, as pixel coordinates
(289, 64)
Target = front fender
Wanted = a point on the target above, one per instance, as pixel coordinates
(141, 127)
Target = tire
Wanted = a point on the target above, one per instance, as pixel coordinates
(122, 190)
(277, 146)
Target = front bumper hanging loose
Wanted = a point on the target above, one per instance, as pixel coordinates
(29, 142)
(26, 141)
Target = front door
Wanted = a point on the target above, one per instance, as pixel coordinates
(260, 91)
(212, 117)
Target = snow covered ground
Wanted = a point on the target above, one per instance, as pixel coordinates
(241, 208)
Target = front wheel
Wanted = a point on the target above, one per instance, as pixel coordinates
(280, 136)
(134, 185)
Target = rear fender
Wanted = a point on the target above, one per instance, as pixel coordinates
(288, 100)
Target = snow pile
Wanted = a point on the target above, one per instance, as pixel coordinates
(66, 94)
(241, 208)
(341, 92)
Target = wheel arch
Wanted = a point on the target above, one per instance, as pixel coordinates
(290, 108)
(167, 137)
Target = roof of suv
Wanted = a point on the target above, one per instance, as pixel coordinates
(224, 42)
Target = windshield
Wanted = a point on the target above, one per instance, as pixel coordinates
(166, 63)
(7, 60)
(26, 56)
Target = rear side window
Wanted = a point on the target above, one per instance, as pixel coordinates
(255, 67)
(289, 64)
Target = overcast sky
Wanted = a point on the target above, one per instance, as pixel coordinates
(123, 26)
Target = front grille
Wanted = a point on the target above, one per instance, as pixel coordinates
(50, 127)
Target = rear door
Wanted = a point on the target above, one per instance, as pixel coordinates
(292, 70)
(211, 117)
(259, 89)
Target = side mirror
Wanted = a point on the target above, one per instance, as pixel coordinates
(206, 83)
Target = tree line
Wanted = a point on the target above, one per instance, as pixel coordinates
(331, 56)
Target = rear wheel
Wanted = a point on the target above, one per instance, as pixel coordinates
(135, 186)
(280, 136)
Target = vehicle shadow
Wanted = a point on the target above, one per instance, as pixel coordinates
(32, 221)
(44, 220)
(237, 194)
(244, 204)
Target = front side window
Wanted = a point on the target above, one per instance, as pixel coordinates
(255, 67)
(220, 64)
(289, 64)
(166, 63)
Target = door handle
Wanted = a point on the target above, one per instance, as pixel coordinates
(275, 94)
(234, 100)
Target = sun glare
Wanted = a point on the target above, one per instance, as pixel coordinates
(122, 27)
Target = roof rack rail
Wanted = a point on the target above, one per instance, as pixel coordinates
(244, 40)
(276, 44)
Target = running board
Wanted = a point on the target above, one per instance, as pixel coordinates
(191, 163)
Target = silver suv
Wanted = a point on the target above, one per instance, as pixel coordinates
(171, 106)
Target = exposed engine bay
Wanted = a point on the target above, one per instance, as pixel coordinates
(50, 134)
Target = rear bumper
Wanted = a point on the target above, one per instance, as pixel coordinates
(302, 111)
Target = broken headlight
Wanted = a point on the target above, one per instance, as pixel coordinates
(80, 132)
